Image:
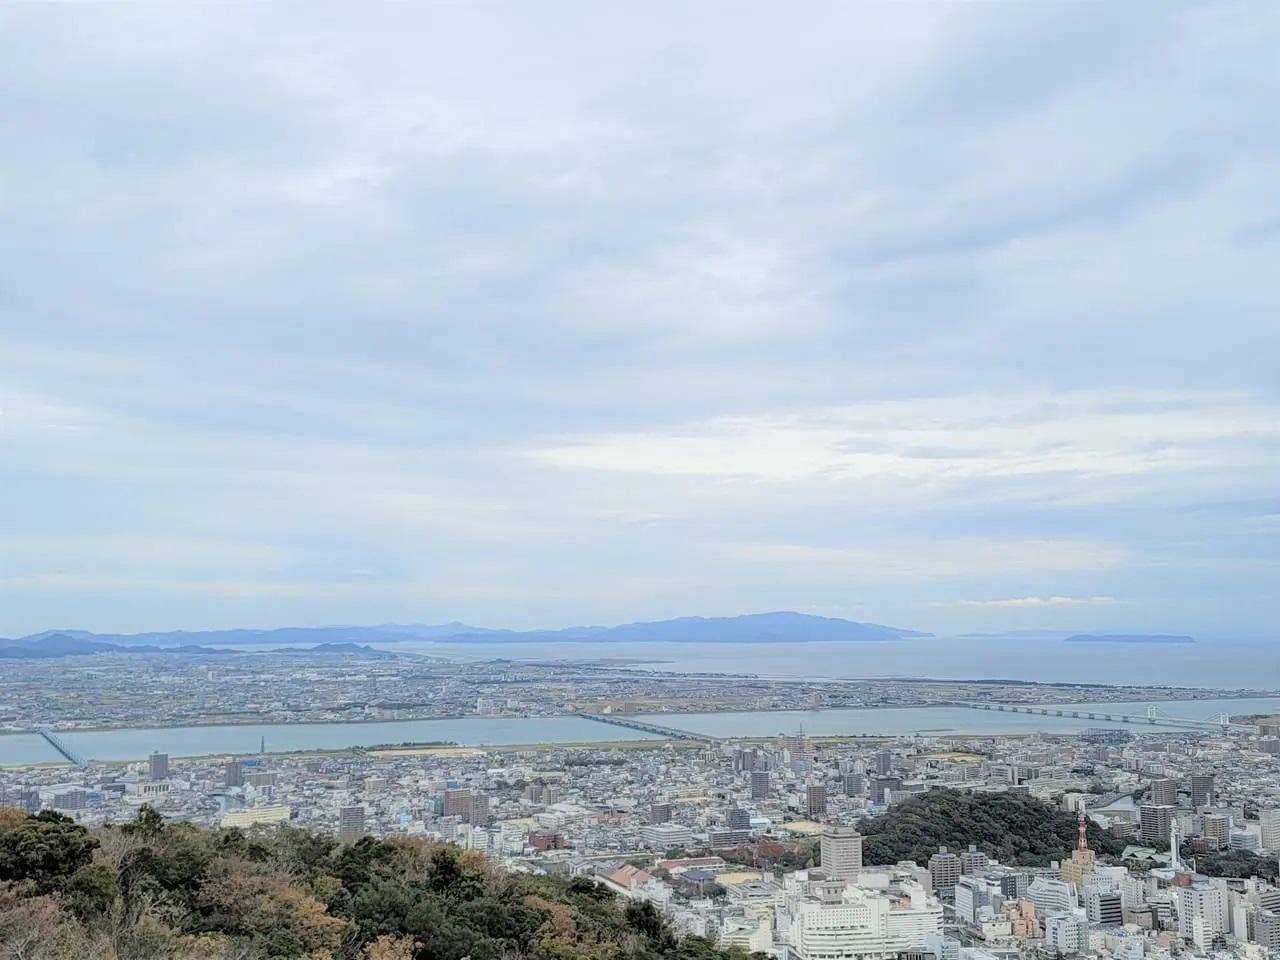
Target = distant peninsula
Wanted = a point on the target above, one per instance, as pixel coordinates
(1128, 638)
(776, 627)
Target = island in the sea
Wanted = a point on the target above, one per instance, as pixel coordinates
(1128, 638)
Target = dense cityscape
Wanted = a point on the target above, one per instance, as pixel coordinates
(1128, 839)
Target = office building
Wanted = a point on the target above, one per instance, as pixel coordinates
(860, 924)
(350, 822)
(1202, 910)
(738, 819)
(760, 785)
(840, 852)
(660, 812)
(158, 766)
(1105, 907)
(882, 786)
(855, 785)
(253, 816)
(1067, 933)
(883, 762)
(973, 895)
(1202, 790)
(665, 836)
(1051, 896)
(1264, 929)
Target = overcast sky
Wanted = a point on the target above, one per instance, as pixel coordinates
(952, 316)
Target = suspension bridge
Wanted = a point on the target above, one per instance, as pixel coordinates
(61, 746)
(1153, 716)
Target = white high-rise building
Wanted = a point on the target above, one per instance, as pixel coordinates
(1202, 911)
(1269, 825)
(1067, 932)
(863, 924)
(841, 852)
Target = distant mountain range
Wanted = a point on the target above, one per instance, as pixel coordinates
(783, 627)
(47, 646)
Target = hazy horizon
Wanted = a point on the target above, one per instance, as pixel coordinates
(916, 314)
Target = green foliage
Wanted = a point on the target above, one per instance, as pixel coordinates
(45, 850)
(1234, 863)
(1013, 828)
(159, 890)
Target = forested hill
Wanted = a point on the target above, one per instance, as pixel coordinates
(156, 890)
(1013, 828)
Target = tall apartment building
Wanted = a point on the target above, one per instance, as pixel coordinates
(1217, 826)
(1163, 792)
(1202, 790)
(350, 822)
(1202, 911)
(840, 851)
(944, 871)
(233, 773)
(760, 784)
(815, 799)
(883, 762)
(1269, 823)
(457, 803)
(973, 860)
(158, 766)
(1154, 822)
(660, 812)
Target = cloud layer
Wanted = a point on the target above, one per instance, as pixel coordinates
(421, 313)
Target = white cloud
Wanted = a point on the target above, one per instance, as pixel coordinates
(1036, 602)
(940, 441)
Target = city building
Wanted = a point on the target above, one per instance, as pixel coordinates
(1202, 791)
(1163, 792)
(853, 923)
(1154, 822)
(815, 799)
(350, 822)
(158, 766)
(944, 871)
(840, 852)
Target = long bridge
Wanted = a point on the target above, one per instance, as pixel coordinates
(671, 733)
(1153, 716)
(60, 745)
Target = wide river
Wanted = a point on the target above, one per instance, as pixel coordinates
(482, 731)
